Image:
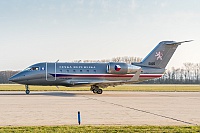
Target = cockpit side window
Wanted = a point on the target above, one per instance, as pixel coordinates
(35, 69)
(27, 69)
(32, 69)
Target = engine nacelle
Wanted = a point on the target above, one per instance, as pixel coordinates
(121, 68)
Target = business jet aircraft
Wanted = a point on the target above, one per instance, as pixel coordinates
(98, 75)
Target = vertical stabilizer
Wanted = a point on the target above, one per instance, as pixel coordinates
(160, 55)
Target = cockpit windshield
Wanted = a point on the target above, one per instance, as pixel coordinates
(32, 69)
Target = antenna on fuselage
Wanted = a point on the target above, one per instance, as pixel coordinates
(57, 61)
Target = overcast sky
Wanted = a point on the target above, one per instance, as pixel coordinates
(34, 31)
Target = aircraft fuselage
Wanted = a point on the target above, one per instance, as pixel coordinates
(66, 73)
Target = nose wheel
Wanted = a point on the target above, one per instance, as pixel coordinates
(27, 89)
(96, 90)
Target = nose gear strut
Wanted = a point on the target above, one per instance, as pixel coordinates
(27, 89)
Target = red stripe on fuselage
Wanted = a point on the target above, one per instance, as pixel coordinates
(109, 75)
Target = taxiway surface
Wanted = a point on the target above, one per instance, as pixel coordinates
(110, 108)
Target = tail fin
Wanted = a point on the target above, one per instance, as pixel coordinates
(160, 55)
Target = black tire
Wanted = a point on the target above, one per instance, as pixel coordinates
(100, 91)
(27, 92)
(95, 91)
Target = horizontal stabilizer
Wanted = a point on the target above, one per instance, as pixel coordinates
(178, 43)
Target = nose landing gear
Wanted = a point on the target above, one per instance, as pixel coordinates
(96, 90)
(27, 89)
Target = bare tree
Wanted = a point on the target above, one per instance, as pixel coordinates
(181, 74)
(196, 68)
(116, 59)
(188, 69)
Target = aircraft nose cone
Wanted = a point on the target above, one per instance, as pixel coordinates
(13, 78)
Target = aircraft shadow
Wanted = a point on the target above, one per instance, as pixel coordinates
(61, 94)
(35, 93)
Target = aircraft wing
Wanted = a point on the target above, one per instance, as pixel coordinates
(106, 83)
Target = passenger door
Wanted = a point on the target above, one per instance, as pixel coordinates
(51, 71)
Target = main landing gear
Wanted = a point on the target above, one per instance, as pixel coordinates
(27, 89)
(96, 90)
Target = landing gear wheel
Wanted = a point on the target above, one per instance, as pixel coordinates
(95, 91)
(99, 91)
(27, 91)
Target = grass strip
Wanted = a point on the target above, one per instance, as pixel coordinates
(102, 129)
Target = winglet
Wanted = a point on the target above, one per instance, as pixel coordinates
(136, 76)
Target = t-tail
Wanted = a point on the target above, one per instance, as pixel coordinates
(160, 55)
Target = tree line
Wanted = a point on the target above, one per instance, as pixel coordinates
(5, 75)
(188, 74)
(125, 59)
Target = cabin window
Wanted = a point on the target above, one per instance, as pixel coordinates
(74, 71)
(95, 71)
(81, 71)
(43, 68)
(67, 71)
(88, 71)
